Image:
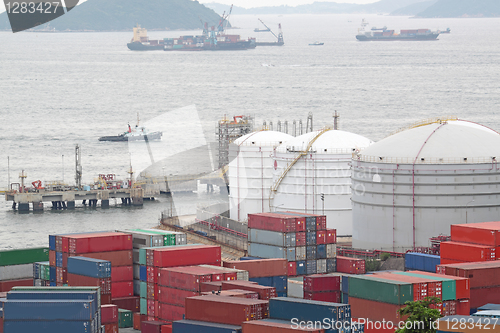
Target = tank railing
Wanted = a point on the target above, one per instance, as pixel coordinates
(425, 160)
(323, 150)
(427, 121)
(250, 143)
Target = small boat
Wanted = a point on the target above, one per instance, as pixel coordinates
(261, 30)
(139, 133)
(447, 31)
(317, 43)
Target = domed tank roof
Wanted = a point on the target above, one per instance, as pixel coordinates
(329, 141)
(447, 143)
(263, 138)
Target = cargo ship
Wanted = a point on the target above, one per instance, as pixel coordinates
(139, 133)
(140, 41)
(388, 35)
(279, 38)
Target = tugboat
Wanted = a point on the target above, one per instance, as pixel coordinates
(317, 44)
(139, 133)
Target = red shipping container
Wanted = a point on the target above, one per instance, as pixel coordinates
(111, 328)
(449, 308)
(264, 292)
(59, 275)
(187, 255)
(237, 293)
(210, 286)
(272, 222)
(350, 265)
(152, 291)
(152, 274)
(132, 303)
(166, 328)
(122, 273)
(52, 258)
(151, 326)
(174, 296)
(260, 326)
(122, 289)
(1, 324)
(300, 223)
(152, 308)
(445, 261)
(138, 319)
(324, 296)
(106, 299)
(485, 233)
(300, 239)
(463, 307)
(216, 274)
(181, 278)
(99, 242)
(482, 296)
(292, 268)
(320, 282)
(225, 310)
(375, 311)
(481, 274)
(331, 236)
(80, 280)
(261, 267)
(117, 258)
(321, 237)
(169, 312)
(462, 284)
(109, 314)
(467, 252)
(59, 246)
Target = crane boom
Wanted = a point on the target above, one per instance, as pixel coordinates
(268, 28)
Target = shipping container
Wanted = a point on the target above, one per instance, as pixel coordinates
(380, 290)
(151, 326)
(311, 252)
(321, 237)
(461, 289)
(324, 296)
(98, 242)
(300, 239)
(45, 326)
(301, 267)
(321, 266)
(192, 326)
(125, 318)
(331, 236)
(274, 238)
(117, 258)
(375, 311)
(180, 278)
(16, 272)
(300, 253)
(264, 292)
(169, 312)
(272, 222)
(78, 310)
(422, 287)
(467, 252)
(122, 289)
(109, 314)
(289, 308)
(316, 282)
(122, 273)
(421, 261)
(240, 274)
(331, 265)
(311, 267)
(350, 265)
(260, 268)
(480, 274)
(61, 289)
(275, 326)
(23, 256)
(9, 284)
(278, 282)
(89, 267)
(267, 251)
(292, 268)
(180, 237)
(186, 255)
(485, 233)
(143, 238)
(211, 286)
(321, 251)
(225, 310)
(81, 280)
(310, 238)
(41, 294)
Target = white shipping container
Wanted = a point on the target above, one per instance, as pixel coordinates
(14, 272)
(331, 251)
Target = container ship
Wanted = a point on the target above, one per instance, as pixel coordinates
(140, 41)
(384, 34)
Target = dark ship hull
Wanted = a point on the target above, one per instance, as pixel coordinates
(138, 46)
(365, 38)
(123, 137)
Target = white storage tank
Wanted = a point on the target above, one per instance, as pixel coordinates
(413, 185)
(318, 181)
(250, 172)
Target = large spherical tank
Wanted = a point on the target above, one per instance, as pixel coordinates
(319, 181)
(413, 185)
(250, 172)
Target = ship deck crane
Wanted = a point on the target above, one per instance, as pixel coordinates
(280, 34)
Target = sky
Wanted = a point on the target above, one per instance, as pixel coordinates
(261, 3)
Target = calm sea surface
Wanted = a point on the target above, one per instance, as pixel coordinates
(62, 89)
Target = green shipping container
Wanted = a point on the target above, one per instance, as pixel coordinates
(144, 306)
(168, 238)
(380, 290)
(144, 289)
(98, 289)
(449, 285)
(125, 318)
(23, 256)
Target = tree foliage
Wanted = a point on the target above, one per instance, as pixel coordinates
(420, 315)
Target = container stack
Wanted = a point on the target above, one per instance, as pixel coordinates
(266, 272)
(162, 294)
(109, 318)
(421, 262)
(483, 276)
(284, 311)
(115, 247)
(302, 239)
(41, 273)
(350, 265)
(49, 309)
(471, 243)
(322, 287)
(16, 266)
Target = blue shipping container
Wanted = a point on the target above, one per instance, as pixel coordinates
(311, 267)
(52, 274)
(191, 326)
(59, 259)
(345, 284)
(321, 251)
(286, 308)
(89, 267)
(421, 262)
(311, 238)
(301, 268)
(311, 252)
(52, 242)
(56, 295)
(78, 310)
(278, 282)
(43, 326)
(331, 265)
(249, 258)
(144, 273)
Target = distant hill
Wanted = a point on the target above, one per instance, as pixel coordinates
(462, 8)
(123, 15)
(413, 9)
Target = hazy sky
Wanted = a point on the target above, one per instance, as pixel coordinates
(260, 3)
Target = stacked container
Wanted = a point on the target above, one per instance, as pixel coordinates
(109, 317)
(322, 287)
(50, 310)
(302, 239)
(16, 266)
(41, 273)
(421, 262)
(350, 265)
